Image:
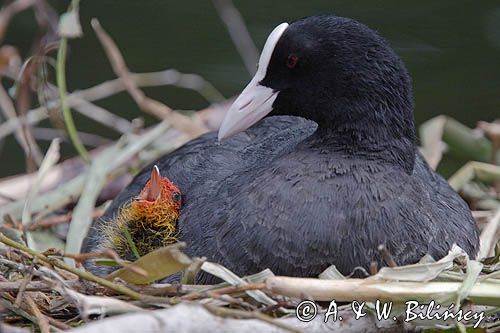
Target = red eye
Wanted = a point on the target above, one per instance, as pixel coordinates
(292, 61)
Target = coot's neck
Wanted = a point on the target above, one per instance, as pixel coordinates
(399, 152)
(376, 132)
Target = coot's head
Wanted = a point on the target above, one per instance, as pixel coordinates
(157, 193)
(336, 72)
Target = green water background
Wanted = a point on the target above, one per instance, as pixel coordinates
(451, 48)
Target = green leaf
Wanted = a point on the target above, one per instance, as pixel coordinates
(130, 242)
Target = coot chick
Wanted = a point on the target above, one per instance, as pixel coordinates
(145, 222)
(297, 195)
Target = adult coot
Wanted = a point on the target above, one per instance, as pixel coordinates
(298, 194)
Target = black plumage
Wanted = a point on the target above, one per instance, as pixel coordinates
(297, 195)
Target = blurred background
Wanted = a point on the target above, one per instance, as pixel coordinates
(451, 48)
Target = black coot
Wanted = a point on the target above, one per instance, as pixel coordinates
(297, 195)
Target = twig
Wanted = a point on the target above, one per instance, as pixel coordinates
(23, 104)
(89, 139)
(165, 289)
(33, 117)
(373, 267)
(92, 288)
(387, 255)
(22, 287)
(13, 265)
(102, 116)
(8, 305)
(231, 300)
(82, 274)
(26, 312)
(43, 323)
(238, 289)
(48, 19)
(284, 302)
(81, 257)
(60, 219)
(108, 253)
(168, 77)
(239, 33)
(56, 323)
(46, 286)
(92, 111)
(10, 113)
(160, 110)
(226, 290)
(109, 88)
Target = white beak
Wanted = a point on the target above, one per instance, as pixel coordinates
(255, 101)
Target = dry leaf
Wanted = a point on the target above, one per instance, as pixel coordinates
(158, 264)
(69, 25)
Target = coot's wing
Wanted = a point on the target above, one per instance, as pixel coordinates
(453, 214)
(295, 218)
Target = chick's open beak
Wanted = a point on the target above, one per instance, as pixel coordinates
(152, 190)
(256, 100)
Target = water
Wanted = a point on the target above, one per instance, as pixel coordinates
(451, 48)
